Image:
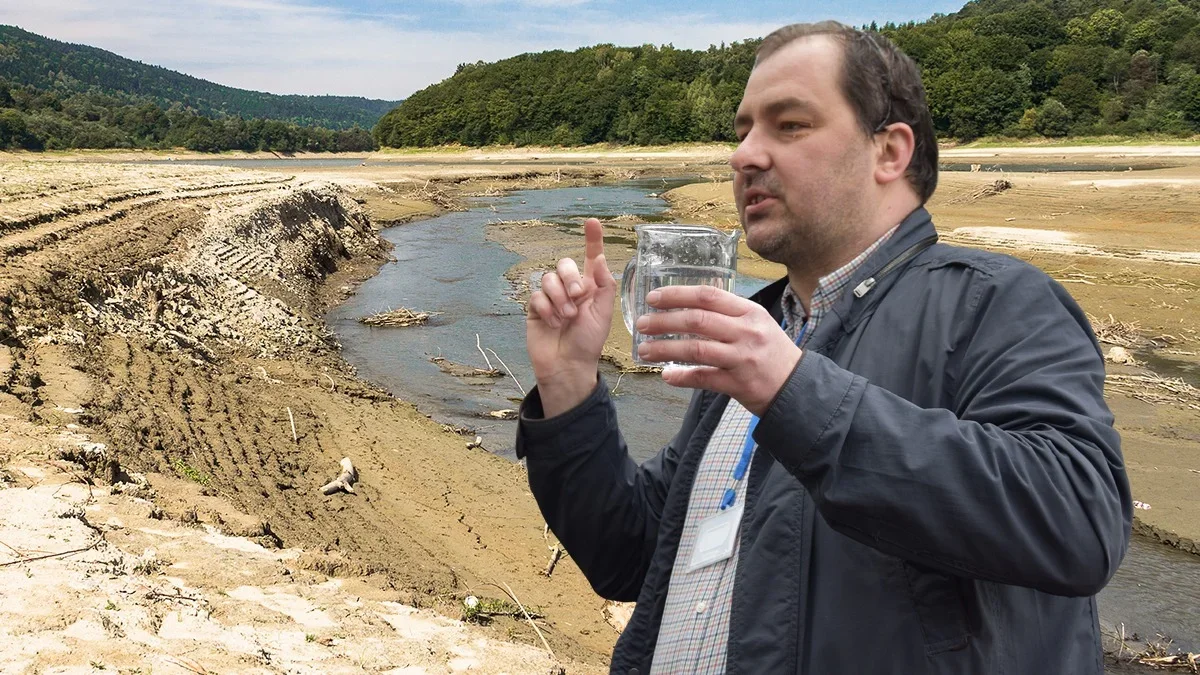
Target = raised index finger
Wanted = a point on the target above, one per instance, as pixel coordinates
(710, 298)
(593, 254)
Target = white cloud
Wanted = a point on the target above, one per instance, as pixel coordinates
(283, 46)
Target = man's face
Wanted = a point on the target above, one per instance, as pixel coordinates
(803, 170)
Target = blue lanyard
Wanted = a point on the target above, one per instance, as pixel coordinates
(739, 471)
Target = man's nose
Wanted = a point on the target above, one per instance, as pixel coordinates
(750, 155)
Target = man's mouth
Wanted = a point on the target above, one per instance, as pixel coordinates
(757, 201)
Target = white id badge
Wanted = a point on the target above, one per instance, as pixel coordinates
(716, 538)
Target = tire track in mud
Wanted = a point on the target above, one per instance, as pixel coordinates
(228, 446)
(45, 228)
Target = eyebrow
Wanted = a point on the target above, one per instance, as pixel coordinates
(776, 108)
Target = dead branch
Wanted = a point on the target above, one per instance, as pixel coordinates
(155, 596)
(1155, 389)
(618, 384)
(345, 480)
(556, 553)
(1127, 334)
(510, 373)
(401, 318)
(35, 558)
(528, 618)
(292, 420)
(485, 358)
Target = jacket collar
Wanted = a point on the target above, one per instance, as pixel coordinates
(848, 309)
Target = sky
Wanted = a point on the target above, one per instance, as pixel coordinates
(388, 49)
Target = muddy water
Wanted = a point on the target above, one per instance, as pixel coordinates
(1186, 370)
(1155, 592)
(447, 265)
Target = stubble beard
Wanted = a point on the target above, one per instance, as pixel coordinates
(813, 239)
(807, 245)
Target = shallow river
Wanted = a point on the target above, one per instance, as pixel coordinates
(447, 265)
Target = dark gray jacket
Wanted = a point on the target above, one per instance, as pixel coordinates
(942, 489)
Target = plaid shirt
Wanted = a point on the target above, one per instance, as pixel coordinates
(695, 626)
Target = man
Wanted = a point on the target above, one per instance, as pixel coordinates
(935, 483)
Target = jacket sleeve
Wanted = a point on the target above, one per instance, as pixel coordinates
(1023, 483)
(602, 506)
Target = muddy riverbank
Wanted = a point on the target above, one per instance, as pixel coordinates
(174, 316)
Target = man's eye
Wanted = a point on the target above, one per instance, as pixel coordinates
(792, 127)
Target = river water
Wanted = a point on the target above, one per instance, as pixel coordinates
(447, 265)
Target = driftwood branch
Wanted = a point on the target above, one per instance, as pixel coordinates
(159, 595)
(618, 384)
(513, 597)
(19, 561)
(402, 317)
(485, 358)
(345, 480)
(292, 420)
(556, 553)
(510, 373)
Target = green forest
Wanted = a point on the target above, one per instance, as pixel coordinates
(65, 68)
(1010, 68)
(57, 96)
(35, 119)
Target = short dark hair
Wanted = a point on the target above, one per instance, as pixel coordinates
(883, 86)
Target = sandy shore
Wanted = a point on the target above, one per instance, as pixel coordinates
(173, 314)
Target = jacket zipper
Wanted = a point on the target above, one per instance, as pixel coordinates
(910, 253)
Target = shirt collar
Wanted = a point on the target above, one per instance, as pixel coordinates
(829, 289)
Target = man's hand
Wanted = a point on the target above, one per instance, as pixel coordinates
(567, 323)
(747, 355)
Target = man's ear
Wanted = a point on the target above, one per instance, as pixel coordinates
(894, 147)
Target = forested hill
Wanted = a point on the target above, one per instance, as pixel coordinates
(638, 95)
(62, 68)
(996, 67)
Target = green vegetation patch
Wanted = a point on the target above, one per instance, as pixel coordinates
(185, 470)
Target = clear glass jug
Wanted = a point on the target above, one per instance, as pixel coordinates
(674, 255)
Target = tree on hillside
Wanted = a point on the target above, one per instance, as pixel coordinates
(1049, 67)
